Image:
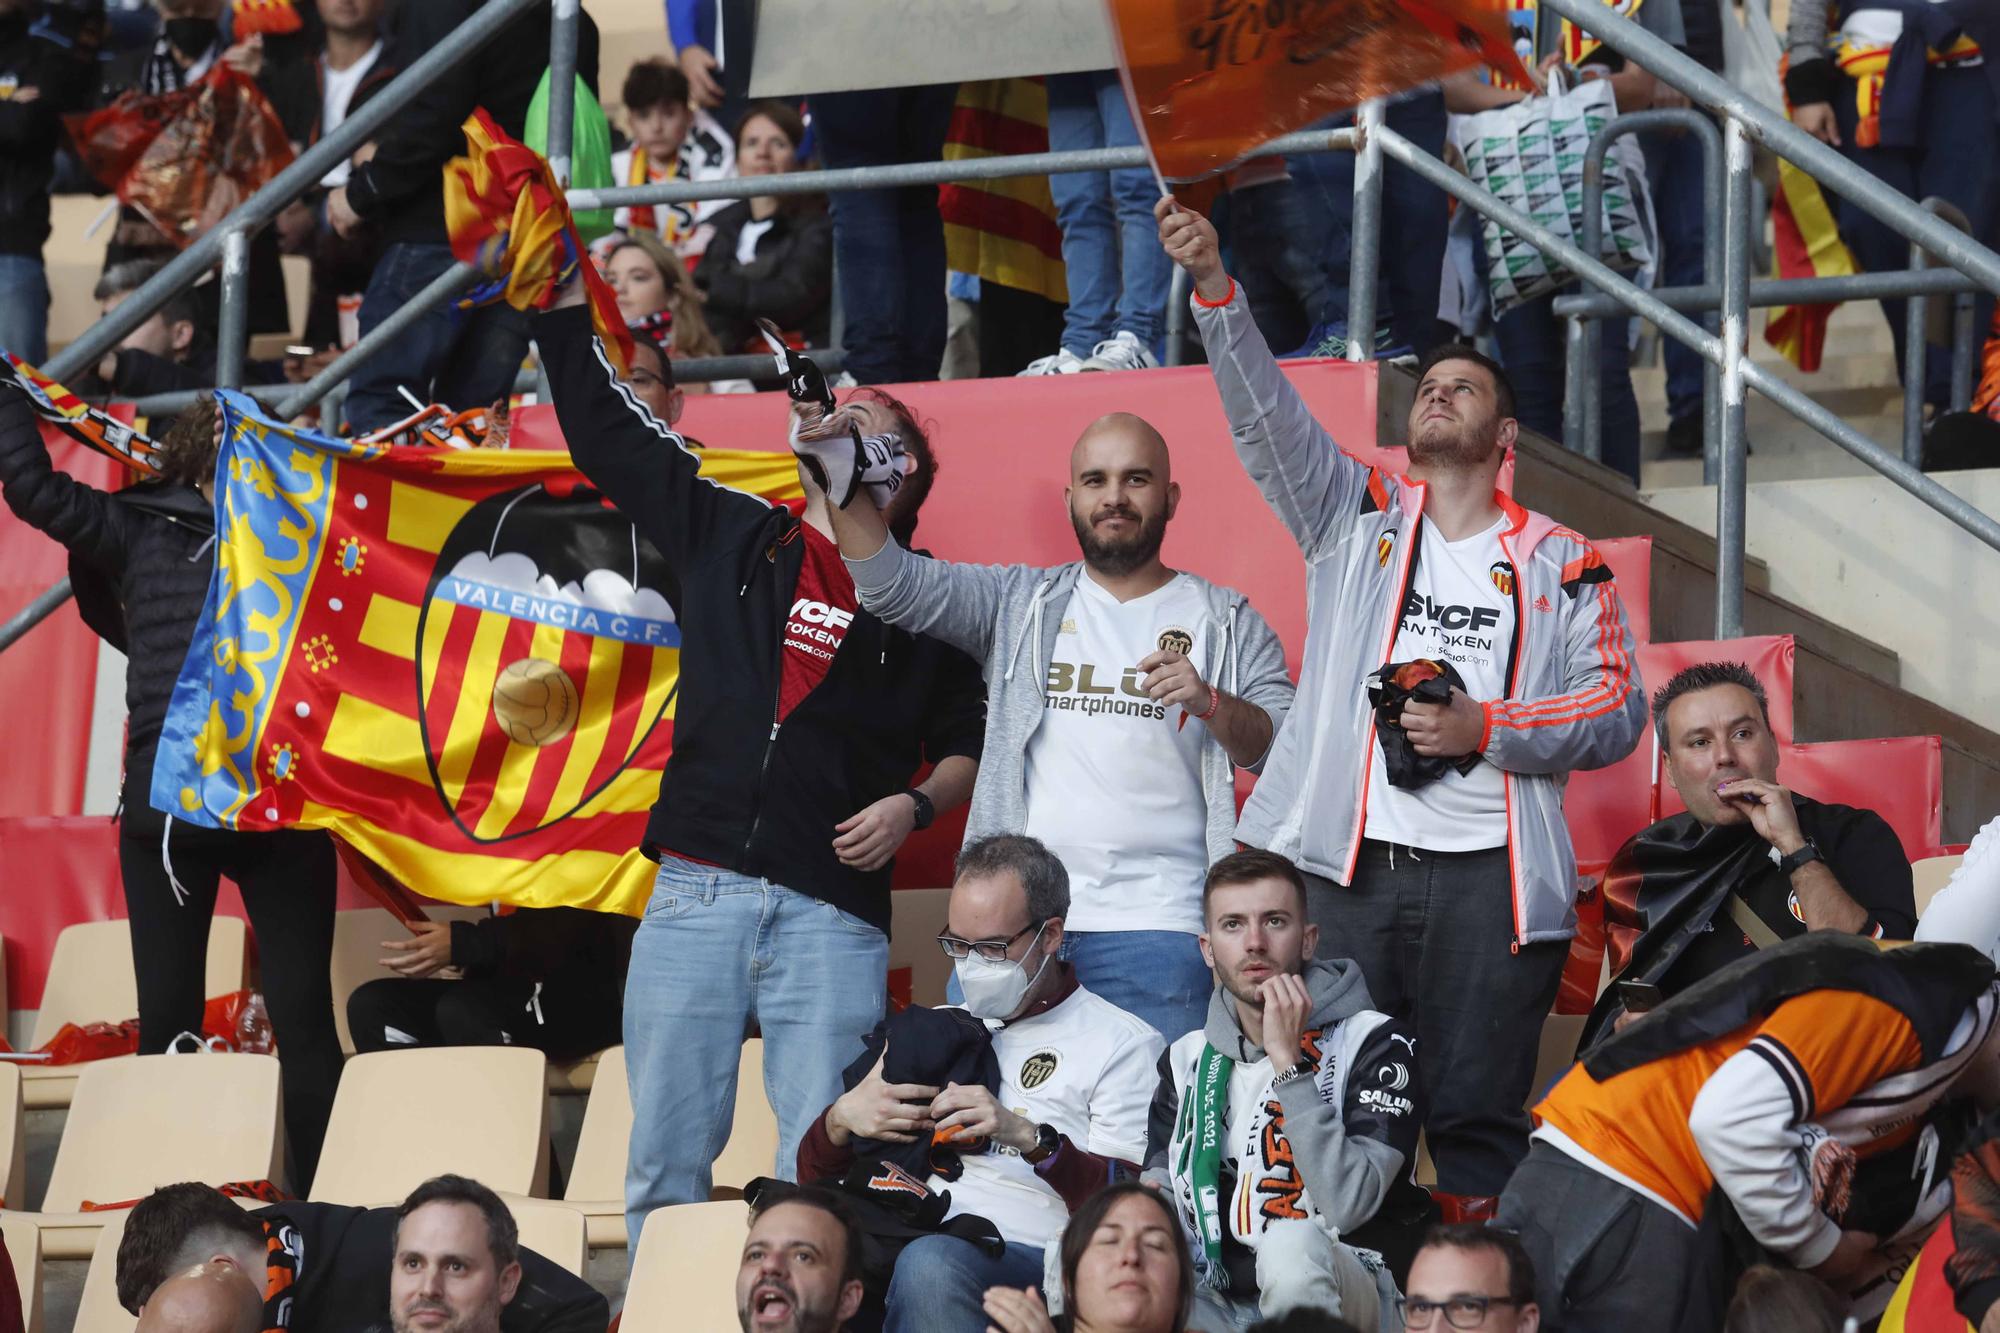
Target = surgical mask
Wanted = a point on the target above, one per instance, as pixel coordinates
(994, 990)
(191, 37)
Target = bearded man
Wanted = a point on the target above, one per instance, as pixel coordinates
(1452, 884)
(1094, 670)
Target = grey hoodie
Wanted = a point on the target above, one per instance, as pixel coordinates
(1007, 617)
(1352, 1125)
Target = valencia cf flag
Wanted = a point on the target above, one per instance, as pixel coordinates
(461, 662)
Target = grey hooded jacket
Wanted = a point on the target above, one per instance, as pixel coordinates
(1008, 616)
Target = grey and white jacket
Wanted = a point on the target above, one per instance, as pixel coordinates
(1008, 617)
(1574, 697)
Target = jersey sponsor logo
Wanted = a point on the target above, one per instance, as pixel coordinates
(1388, 1103)
(1384, 544)
(1542, 604)
(1035, 1070)
(1394, 1076)
(1408, 1043)
(1067, 627)
(1174, 639)
(816, 628)
(819, 613)
(1074, 687)
(1418, 606)
(1502, 574)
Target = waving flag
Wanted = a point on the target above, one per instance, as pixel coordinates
(462, 663)
(66, 412)
(505, 214)
(1210, 80)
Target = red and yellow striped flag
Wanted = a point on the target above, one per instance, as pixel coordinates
(1003, 230)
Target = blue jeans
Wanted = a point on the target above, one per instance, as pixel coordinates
(888, 245)
(1955, 160)
(1415, 216)
(1674, 171)
(24, 307)
(941, 1280)
(1118, 274)
(1285, 276)
(1155, 975)
(715, 953)
(460, 358)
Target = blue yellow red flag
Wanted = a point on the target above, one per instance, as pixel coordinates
(460, 662)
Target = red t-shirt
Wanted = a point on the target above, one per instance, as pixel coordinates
(823, 606)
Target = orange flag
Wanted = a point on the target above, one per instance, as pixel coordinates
(1210, 80)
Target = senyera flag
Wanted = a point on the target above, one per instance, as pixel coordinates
(88, 425)
(461, 662)
(1211, 80)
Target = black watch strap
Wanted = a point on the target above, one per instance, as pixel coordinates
(926, 812)
(1804, 856)
(1047, 1141)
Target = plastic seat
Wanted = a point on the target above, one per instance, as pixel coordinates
(1931, 874)
(98, 1310)
(684, 1274)
(401, 1117)
(13, 1138)
(358, 934)
(139, 1122)
(553, 1230)
(91, 981)
(24, 1250)
(915, 918)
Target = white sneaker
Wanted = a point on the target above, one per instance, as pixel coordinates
(1122, 351)
(1063, 362)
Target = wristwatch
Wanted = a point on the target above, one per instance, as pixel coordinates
(1047, 1140)
(1804, 856)
(926, 812)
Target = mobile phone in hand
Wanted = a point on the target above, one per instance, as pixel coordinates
(1640, 997)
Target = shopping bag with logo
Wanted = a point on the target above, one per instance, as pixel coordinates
(1530, 155)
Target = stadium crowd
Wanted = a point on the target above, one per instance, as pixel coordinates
(1192, 1057)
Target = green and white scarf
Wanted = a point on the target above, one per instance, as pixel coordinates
(1204, 1120)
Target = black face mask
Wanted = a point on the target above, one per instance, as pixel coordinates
(191, 37)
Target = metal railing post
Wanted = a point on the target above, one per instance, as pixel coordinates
(1364, 259)
(34, 613)
(1730, 495)
(1916, 357)
(1714, 191)
(1177, 314)
(1577, 367)
(562, 88)
(232, 330)
(286, 186)
(1964, 348)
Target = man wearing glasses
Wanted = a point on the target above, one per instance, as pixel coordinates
(1471, 1277)
(1075, 1073)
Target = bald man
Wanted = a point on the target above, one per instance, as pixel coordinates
(215, 1297)
(1121, 695)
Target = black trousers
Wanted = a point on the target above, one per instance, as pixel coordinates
(288, 883)
(566, 1022)
(1434, 933)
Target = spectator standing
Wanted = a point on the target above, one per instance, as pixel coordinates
(672, 139)
(326, 1266)
(1097, 667)
(1457, 898)
(1117, 278)
(1916, 109)
(801, 1266)
(714, 44)
(549, 978)
(1071, 1110)
(1285, 275)
(889, 243)
(1124, 1265)
(1675, 174)
(48, 55)
(1312, 1102)
(1471, 1277)
(801, 719)
(140, 558)
(1778, 1084)
(1748, 862)
(459, 358)
(771, 257)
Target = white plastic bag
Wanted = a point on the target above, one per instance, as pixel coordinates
(1530, 155)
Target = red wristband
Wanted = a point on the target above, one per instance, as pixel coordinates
(1207, 304)
(1214, 702)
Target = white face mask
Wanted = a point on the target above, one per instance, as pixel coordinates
(995, 990)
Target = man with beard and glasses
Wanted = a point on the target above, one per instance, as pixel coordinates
(801, 1269)
(1455, 893)
(1094, 671)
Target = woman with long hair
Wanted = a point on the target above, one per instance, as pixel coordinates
(1125, 1269)
(771, 257)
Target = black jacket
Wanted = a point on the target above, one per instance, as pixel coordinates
(155, 553)
(401, 187)
(741, 791)
(53, 50)
(789, 282)
(343, 1280)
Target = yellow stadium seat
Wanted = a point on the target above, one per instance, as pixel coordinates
(24, 1249)
(553, 1230)
(98, 1311)
(916, 916)
(574, 1077)
(684, 1275)
(357, 950)
(91, 981)
(1931, 874)
(13, 1138)
(139, 1122)
(401, 1117)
